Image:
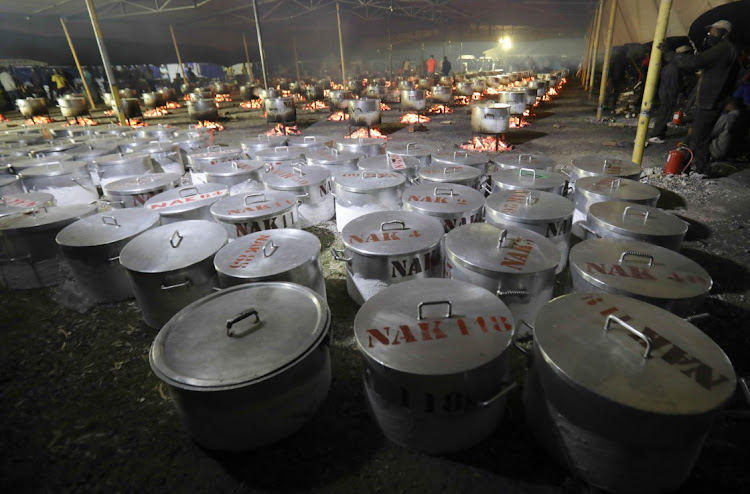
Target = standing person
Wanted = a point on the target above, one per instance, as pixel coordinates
(446, 68)
(177, 84)
(36, 79)
(670, 86)
(60, 82)
(191, 77)
(431, 65)
(615, 77)
(720, 64)
(9, 84)
(407, 67)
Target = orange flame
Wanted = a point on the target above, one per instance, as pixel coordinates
(220, 98)
(412, 118)
(171, 105)
(518, 122)
(84, 121)
(440, 109)
(314, 106)
(135, 122)
(476, 96)
(491, 91)
(109, 113)
(210, 125)
(2, 118)
(326, 93)
(461, 100)
(552, 92)
(156, 112)
(338, 116)
(281, 130)
(253, 104)
(38, 120)
(186, 97)
(486, 144)
(363, 133)
(336, 86)
(384, 107)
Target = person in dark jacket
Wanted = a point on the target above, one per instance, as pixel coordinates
(446, 67)
(616, 76)
(720, 64)
(729, 130)
(670, 86)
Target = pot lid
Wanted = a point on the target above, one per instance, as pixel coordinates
(310, 141)
(331, 156)
(450, 158)
(263, 142)
(234, 167)
(359, 143)
(32, 162)
(392, 233)
(510, 250)
(606, 165)
(629, 219)
(443, 199)
(433, 327)
(449, 174)
(409, 149)
(41, 216)
(365, 181)
(267, 253)
(621, 189)
(280, 153)
(106, 228)
(292, 177)
(54, 147)
(133, 143)
(92, 150)
(6, 180)
(141, 184)
(523, 205)
(241, 208)
(157, 147)
(122, 159)
(534, 161)
(50, 170)
(19, 203)
(214, 152)
(384, 162)
(686, 373)
(529, 178)
(635, 268)
(239, 335)
(173, 246)
(180, 200)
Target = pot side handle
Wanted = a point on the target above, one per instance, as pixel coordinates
(339, 255)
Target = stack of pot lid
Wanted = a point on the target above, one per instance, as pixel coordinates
(280, 155)
(597, 344)
(474, 159)
(369, 146)
(636, 269)
(526, 207)
(263, 255)
(451, 174)
(534, 161)
(21, 165)
(617, 219)
(402, 232)
(529, 179)
(367, 182)
(286, 323)
(332, 157)
(235, 171)
(20, 202)
(588, 166)
(590, 190)
(489, 250)
(443, 201)
(251, 146)
(410, 153)
(269, 205)
(107, 228)
(308, 143)
(141, 185)
(175, 203)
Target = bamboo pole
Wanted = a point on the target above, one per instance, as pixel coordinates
(78, 64)
(179, 58)
(652, 79)
(260, 46)
(595, 50)
(390, 47)
(341, 45)
(250, 76)
(105, 61)
(296, 59)
(585, 61)
(587, 53)
(607, 53)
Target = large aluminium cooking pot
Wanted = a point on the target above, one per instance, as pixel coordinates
(625, 221)
(528, 179)
(490, 118)
(339, 98)
(656, 275)
(249, 213)
(364, 112)
(464, 89)
(235, 172)
(133, 192)
(389, 247)
(442, 94)
(515, 99)
(437, 363)
(361, 192)
(623, 393)
(534, 161)
(247, 366)
(72, 106)
(171, 266)
(31, 107)
(452, 204)
(369, 146)
(455, 174)
(413, 99)
(251, 146)
(91, 246)
(589, 166)
(192, 202)
(311, 184)
(203, 109)
(590, 190)
(280, 110)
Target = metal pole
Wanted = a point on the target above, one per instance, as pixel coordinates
(595, 51)
(652, 79)
(296, 60)
(390, 47)
(607, 53)
(260, 46)
(179, 58)
(78, 64)
(105, 61)
(341, 45)
(247, 59)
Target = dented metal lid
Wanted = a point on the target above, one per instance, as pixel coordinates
(433, 327)
(392, 233)
(633, 354)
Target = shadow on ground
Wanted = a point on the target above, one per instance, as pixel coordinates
(727, 275)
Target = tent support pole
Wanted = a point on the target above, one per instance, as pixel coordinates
(587, 53)
(390, 46)
(260, 45)
(78, 64)
(107, 66)
(595, 50)
(652, 80)
(296, 59)
(247, 60)
(341, 45)
(607, 53)
(179, 58)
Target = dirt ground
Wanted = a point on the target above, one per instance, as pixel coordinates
(81, 411)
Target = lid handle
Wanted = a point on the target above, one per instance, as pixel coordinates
(110, 221)
(297, 170)
(644, 212)
(195, 189)
(456, 153)
(409, 144)
(393, 222)
(448, 312)
(646, 339)
(264, 137)
(637, 254)
(175, 236)
(234, 165)
(451, 169)
(366, 174)
(274, 248)
(278, 148)
(522, 170)
(443, 191)
(530, 157)
(531, 198)
(239, 317)
(606, 165)
(310, 138)
(259, 194)
(615, 184)
(565, 170)
(501, 239)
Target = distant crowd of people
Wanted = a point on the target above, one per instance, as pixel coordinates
(429, 68)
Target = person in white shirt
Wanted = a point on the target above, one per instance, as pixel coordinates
(9, 85)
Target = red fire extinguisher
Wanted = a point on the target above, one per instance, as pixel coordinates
(677, 117)
(675, 160)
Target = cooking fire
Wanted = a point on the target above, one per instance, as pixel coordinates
(338, 116)
(413, 118)
(282, 130)
(253, 104)
(135, 122)
(156, 112)
(38, 120)
(363, 132)
(461, 100)
(172, 105)
(222, 98)
(314, 106)
(486, 144)
(85, 121)
(2, 118)
(518, 122)
(210, 125)
(384, 107)
(440, 109)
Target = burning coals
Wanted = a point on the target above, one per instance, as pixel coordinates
(172, 105)
(38, 120)
(85, 121)
(210, 125)
(364, 132)
(109, 113)
(338, 116)
(2, 118)
(222, 98)
(156, 112)
(461, 100)
(253, 104)
(384, 107)
(518, 122)
(440, 109)
(486, 144)
(135, 122)
(314, 106)
(283, 130)
(413, 118)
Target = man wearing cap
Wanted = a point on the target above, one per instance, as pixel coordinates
(720, 64)
(670, 86)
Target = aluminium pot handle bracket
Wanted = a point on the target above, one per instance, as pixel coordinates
(339, 255)
(638, 333)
